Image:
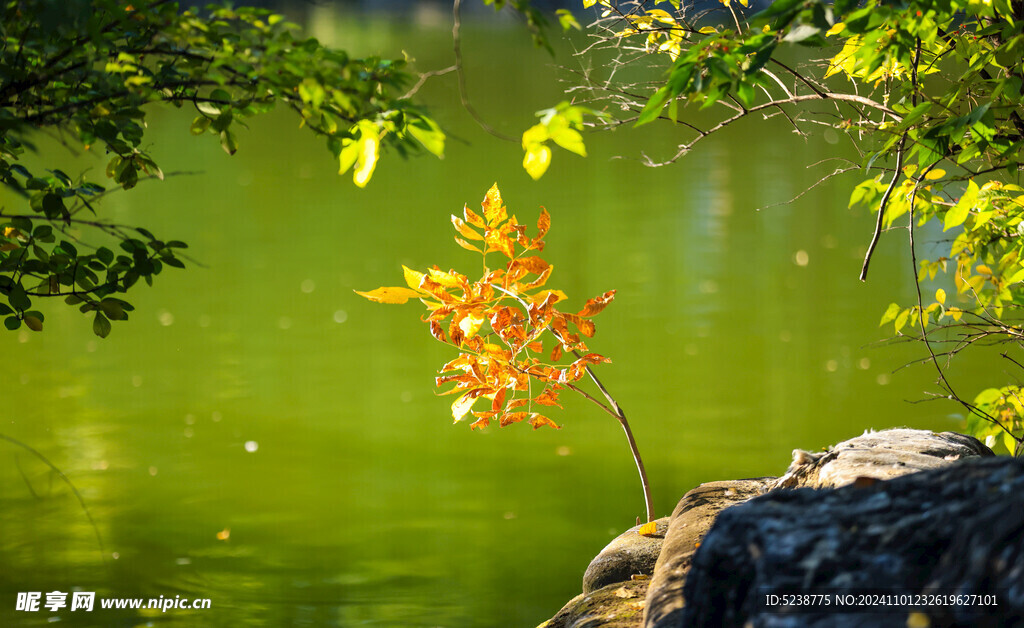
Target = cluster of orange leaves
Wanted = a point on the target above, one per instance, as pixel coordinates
(499, 322)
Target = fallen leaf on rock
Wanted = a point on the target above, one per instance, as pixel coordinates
(648, 529)
(623, 592)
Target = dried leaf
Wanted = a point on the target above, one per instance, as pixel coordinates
(556, 353)
(548, 398)
(390, 295)
(539, 420)
(543, 223)
(480, 423)
(595, 305)
(512, 417)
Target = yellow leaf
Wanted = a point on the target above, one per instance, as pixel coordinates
(367, 160)
(648, 529)
(390, 295)
(467, 245)
(462, 405)
(937, 173)
(448, 280)
(707, 30)
(983, 269)
(537, 160)
(541, 296)
(471, 324)
(836, 29)
(494, 207)
(940, 296)
(412, 278)
(224, 534)
(465, 229)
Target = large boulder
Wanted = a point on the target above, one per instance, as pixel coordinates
(629, 554)
(957, 530)
(618, 605)
(880, 455)
(689, 522)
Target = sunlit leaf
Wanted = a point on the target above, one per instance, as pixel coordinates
(543, 223)
(462, 405)
(648, 529)
(465, 229)
(539, 420)
(471, 324)
(940, 296)
(537, 160)
(390, 295)
(512, 417)
(594, 306)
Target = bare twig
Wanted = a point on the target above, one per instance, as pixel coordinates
(881, 210)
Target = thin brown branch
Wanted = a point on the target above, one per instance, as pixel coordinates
(881, 210)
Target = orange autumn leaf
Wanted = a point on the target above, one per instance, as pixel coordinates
(595, 305)
(498, 322)
(512, 417)
(543, 223)
(472, 217)
(494, 208)
(539, 420)
(390, 295)
(548, 398)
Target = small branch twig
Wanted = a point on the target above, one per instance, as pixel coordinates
(881, 210)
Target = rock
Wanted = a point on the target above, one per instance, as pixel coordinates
(618, 605)
(627, 555)
(953, 530)
(880, 455)
(689, 522)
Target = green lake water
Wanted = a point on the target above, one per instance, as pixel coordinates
(258, 397)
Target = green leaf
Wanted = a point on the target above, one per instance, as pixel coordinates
(100, 325)
(34, 321)
(890, 314)
(956, 215)
(12, 323)
(429, 134)
(227, 142)
(654, 106)
(567, 20)
(199, 125)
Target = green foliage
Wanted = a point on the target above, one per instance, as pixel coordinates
(87, 69)
(931, 96)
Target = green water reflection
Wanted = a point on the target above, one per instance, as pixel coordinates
(736, 336)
